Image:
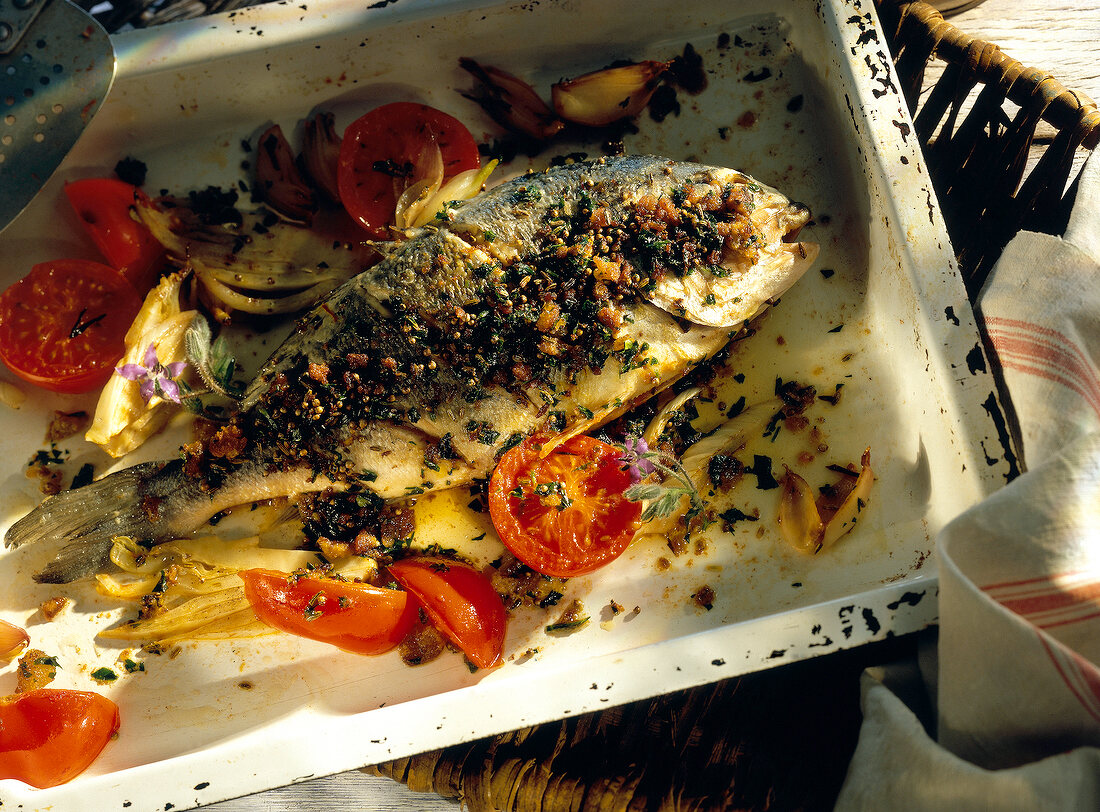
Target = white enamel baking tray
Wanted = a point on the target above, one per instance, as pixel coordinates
(799, 94)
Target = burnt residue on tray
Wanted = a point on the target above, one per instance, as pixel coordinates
(908, 599)
(1004, 437)
(975, 360)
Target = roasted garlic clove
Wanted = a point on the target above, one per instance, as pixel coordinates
(799, 520)
(12, 641)
(605, 96)
(11, 395)
(511, 102)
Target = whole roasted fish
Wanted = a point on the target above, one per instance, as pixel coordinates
(555, 302)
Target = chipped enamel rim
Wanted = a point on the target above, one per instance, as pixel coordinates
(855, 68)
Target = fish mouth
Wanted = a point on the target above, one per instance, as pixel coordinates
(800, 218)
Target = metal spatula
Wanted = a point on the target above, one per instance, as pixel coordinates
(56, 67)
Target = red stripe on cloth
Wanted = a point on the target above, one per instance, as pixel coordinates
(1056, 598)
(1024, 351)
(1064, 368)
(1053, 624)
(1044, 344)
(1079, 675)
(1048, 332)
(1038, 579)
(1040, 373)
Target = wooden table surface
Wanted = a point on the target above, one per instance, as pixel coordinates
(1059, 36)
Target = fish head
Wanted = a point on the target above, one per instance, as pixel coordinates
(746, 253)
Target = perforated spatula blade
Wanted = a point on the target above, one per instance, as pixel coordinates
(56, 68)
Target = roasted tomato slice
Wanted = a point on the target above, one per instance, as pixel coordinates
(62, 326)
(460, 602)
(49, 735)
(563, 514)
(359, 618)
(379, 152)
(105, 206)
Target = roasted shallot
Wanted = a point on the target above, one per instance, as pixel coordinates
(279, 184)
(812, 522)
(603, 97)
(511, 102)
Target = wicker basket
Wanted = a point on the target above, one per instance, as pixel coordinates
(778, 740)
(977, 125)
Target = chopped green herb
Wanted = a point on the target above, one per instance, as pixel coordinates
(551, 599)
(550, 490)
(568, 626)
(733, 515)
(313, 608)
(212, 359)
(834, 398)
(84, 476)
(762, 469)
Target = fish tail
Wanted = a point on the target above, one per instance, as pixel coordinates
(137, 502)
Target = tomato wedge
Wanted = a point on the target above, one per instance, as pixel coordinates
(460, 602)
(104, 206)
(359, 618)
(50, 735)
(380, 150)
(62, 326)
(563, 514)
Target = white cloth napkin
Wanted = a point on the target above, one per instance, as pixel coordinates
(1017, 690)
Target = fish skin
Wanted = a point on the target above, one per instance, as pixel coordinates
(372, 419)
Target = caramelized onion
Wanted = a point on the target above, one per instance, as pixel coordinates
(11, 395)
(255, 267)
(730, 437)
(13, 640)
(605, 96)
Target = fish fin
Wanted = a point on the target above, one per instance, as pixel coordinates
(86, 520)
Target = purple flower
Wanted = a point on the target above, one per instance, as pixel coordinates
(633, 457)
(156, 378)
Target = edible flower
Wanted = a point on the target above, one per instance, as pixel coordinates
(663, 497)
(157, 379)
(633, 458)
